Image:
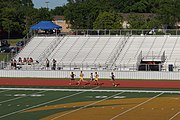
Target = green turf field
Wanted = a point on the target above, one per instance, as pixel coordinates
(13, 103)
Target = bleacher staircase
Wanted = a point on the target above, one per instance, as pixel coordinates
(111, 61)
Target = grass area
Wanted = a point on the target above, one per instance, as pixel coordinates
(13, 42)
(14, 101)
(5, 56)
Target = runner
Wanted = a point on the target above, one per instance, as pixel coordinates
(72, 75)
(113, 80)
(96, 78)
(81, 78)
(91, 77)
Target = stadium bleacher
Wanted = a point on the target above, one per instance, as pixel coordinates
(99, 50)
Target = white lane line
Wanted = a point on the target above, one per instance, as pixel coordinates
(136, 106)
(43, 103)
(174, 115)
(85, 106)
(20, 97)
(90, 90)
(4, 91)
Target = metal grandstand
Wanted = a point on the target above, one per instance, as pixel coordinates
(119, 50)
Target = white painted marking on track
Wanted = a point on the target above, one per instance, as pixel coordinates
(174, 116)
(4, 91)
(17, 98)
(12, 113)
(136, 106)
(90, 90)
(57, 117)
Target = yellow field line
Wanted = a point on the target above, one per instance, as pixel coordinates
(12, 113)
(85, 106)
(136, 106)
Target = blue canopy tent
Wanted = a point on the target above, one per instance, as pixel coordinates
(45, 25)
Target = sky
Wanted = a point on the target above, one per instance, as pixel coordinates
(51, 5)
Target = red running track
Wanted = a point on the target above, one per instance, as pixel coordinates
(103, 83)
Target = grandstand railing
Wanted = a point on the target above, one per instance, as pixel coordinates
(117, 52)
(49, 50)
(102, 48)
(174, 47)
(26, 40)
(139, 58)
(10, 56)
(148, 75)
(124, 32)
(113, 51)
(94, 67)
(69, 49)
(80, 50)
(91, 49)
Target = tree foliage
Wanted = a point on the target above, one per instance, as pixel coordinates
(81, 14)
(16, 16)
(168, 12)
(108, 20)
(58, 10)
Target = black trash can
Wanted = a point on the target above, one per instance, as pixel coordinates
(170, 67)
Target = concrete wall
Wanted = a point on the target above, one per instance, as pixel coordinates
(103, 74)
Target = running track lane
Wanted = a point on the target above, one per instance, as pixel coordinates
(104, 83)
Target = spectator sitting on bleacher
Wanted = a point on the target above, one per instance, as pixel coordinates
(31, 60)
(19, 61)
(27, 60)
(24, 61)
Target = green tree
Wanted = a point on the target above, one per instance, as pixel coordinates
(82, 14)
(136, 21)
(27, 3)
(16, 16)
(58, 10)
(12, 17)
(152, 23)
(108, 20)
(168, 12)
